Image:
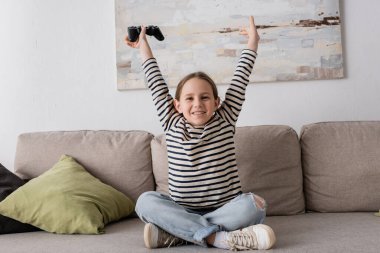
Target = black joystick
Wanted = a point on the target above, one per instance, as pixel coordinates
(152, 30)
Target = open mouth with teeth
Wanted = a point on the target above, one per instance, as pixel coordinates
(198, 113)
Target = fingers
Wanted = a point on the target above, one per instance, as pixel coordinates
(130, 43)
(141, 37)
(252, 22)
(127, 41)
(142, 33)
(243, 31)
(252, 27)
(143, 30)
(253, 35)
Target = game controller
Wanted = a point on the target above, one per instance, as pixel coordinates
(152, 30)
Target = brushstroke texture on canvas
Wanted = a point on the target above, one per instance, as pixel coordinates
(300, 39)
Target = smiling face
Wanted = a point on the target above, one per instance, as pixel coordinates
(197, 102)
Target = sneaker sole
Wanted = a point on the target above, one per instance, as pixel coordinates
(271, 237)
(148, 236)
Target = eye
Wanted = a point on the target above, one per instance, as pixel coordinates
(205, 97)
(189, 99)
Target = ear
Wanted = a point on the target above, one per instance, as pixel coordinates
(217, 103)
(177, 105)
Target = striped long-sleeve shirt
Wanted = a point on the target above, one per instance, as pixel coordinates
(202, 163)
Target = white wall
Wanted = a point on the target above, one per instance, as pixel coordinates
(57, 72)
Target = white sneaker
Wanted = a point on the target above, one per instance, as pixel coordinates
(155, 237)
(254, 237)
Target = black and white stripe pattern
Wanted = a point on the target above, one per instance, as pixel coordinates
(202, 162)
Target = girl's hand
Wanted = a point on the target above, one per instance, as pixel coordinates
(142, 44)
(141, 39)
(253, 35)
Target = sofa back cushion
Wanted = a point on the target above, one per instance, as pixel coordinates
(121, 159)
(269, 164)
(341, 163)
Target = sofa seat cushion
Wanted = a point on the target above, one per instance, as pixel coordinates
(311, 232)
(326, 232)
(269, 164)
(117, 158)
(120, 237)
(341, 163)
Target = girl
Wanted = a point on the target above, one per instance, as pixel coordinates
(206, 205)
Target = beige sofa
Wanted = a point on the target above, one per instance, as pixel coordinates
(322, 187)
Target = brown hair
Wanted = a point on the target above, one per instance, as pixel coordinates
(199, 75)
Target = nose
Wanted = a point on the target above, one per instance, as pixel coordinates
(197, 102)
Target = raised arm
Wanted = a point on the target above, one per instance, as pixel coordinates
(163, 101)
(235, 94)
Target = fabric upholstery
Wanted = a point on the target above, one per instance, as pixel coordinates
(269, 162)
(121, 159)
(310, 232)
(160, 163)
(341, 163)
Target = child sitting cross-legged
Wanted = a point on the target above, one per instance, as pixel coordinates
(206, 205)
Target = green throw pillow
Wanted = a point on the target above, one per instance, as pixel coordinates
(67, 200)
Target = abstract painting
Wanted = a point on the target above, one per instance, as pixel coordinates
(300, 39)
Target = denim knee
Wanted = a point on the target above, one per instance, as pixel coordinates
(251, 210)
(144, 202)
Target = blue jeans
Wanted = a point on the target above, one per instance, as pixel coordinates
(196, 225)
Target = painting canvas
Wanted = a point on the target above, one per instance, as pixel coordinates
(300, 39)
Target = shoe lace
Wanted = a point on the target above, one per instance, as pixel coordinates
(240, 240)
(169, 240)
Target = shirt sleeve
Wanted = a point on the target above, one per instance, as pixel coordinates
(163, 101)
(235, 94)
